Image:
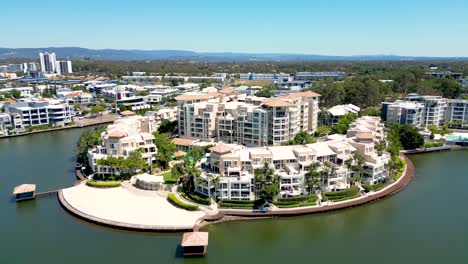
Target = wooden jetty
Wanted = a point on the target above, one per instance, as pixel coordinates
(195, 244)
(28, 191)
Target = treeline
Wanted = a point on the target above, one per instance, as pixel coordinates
(380, 69)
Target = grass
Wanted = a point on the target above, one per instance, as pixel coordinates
(176, 202)
(400, 170)
(167, 175)
(103, 184)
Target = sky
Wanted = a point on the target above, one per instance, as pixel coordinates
(326, 27)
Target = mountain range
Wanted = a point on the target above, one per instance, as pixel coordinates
(138, 55)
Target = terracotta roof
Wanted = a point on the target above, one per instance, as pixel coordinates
(42, 100)
(117, 134)
(24, 188)
(191, 239)
(364, 136)
(183, 141)
(276, 103)
(228, 91)
(74, 94)
(180, 153)
(9, 100)
(221, 149)
(191, 97)
(299, 94)
(127, 113)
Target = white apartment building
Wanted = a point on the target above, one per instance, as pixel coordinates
(236, 165)
(124, 136)
(63, 67)
(434, 108)
(79, 97)
(264, 76)
(403, 112)
(248, 120)
(40, 112)
(457, 111)
(25, 91)
(334, 114)
(48, 62)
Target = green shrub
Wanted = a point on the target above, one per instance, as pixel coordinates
(103, 184)
(433, 144)
(375, 187)
(196, 198)
(240, 204)
(341, 195)
(176, 202)
(298, 201)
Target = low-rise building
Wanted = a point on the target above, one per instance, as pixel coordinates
(457, 112)
(40, 112)
(264, 76)
(124, 136)
(333, 115)
(317, 76)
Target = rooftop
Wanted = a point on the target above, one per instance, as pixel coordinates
(24, 188)
(193, 239)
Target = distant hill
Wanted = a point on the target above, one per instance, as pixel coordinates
(114, 54)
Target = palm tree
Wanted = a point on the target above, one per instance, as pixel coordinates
(312, 177)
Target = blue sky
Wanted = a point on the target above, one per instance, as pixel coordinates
(333, 27)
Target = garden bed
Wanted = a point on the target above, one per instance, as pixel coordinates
(176, 202)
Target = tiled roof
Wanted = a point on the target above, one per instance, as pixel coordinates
(9, 100)
(228, 91)
(117, 134)
(299, 95)
(276, 103)
(364, 136)
(127, 113)
(221, 149)
(195, 239)
(191, 97)
(183, 141)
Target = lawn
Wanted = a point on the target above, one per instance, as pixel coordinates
(168, 177)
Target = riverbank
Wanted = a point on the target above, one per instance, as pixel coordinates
(104, 119)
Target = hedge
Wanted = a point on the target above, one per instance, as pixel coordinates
(176, 202)
(196, 198)
(240, 204)
(103, 184)
(298, 201)
(341, 195)
(433, 144)
(400, 170)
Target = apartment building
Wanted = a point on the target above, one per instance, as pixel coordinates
(334, 114)
(124, 136)
(25, 91)
(247, 120)
(457, 111)
(264, 76)
(236, 164)
(434, 108)
(39, 112)
(403, 112)
(317, 76)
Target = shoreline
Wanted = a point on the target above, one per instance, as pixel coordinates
(59, 128)
(225, 215)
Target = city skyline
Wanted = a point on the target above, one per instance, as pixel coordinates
(298, 27)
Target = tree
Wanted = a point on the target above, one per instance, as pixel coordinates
(312, 177)
(97, 109)
(166, 148)
(342, 126)
(15, 93)
(409, 136)
(169, 127)
(267, 184)
(89, 138)
(265, 92)
(303, 137)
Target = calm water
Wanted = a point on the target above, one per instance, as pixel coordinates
(426, 223)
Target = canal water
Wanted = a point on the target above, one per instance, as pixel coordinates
(425, 223)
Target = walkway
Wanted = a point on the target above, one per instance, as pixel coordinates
(127, 207)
